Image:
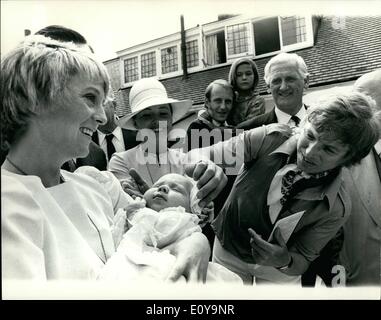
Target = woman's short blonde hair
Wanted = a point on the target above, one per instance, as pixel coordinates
(35, 74)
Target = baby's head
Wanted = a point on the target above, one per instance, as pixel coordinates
(171, 190)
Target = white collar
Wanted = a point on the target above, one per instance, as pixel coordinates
(118, 134)
(284, 117)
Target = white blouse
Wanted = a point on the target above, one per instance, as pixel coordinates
(62, 232)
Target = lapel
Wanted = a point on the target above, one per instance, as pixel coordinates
(95, 137)
(271, 117)
(129, 139)
(378, 162)
(142, 166)
(361, 185)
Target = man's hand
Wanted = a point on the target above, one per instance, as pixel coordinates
(269, 254)
(210, 180)
(192, 257)
(135, 185)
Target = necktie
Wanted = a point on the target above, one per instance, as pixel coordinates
(280, 189)
(110, 145)
(296, 120)
(288, 181)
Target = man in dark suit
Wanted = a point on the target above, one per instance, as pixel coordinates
(109, 138)
(286, 77)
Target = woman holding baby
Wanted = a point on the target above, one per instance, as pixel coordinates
(56, 224)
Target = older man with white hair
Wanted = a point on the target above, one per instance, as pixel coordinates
(286, 77)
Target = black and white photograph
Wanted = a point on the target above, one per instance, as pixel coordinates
(190, 151)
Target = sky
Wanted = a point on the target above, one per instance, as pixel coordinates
(110, 26)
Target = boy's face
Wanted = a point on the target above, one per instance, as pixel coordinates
(171, 190)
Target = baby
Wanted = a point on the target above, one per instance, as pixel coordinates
(173, 193)
(167, 213)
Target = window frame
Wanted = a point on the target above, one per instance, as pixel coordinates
(199, 34)
(179, 61)
(123, 67)
(154, 51)
(291, 47)
(250, 45)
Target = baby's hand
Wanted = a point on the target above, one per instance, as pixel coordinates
(207, 214)
(134, 205)
(130, 186)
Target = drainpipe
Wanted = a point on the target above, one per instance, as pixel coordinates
(183, 49)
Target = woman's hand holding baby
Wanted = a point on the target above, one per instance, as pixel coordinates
(192, 257)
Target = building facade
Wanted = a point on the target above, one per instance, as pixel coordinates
(337, 50)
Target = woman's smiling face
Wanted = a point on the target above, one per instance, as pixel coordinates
(78, 111)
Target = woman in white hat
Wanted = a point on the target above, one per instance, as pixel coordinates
(153, 114)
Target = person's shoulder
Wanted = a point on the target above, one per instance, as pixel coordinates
(123, 155)
(343, 204)
(266, 118)
(257, 121)
(197, 124)
(17, 184)
(11, 182)
(20, 196)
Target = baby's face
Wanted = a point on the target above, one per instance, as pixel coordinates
(171, 190)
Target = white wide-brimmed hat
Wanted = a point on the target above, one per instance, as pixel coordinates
(149, 92)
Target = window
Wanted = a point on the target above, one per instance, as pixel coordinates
(276, 33)
(293, 30)
(215, 48)
(192, 53)
(266, 36)
(131, 70)
(237, 38)
(169, 59)
(148, 65)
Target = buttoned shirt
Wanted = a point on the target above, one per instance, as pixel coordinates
(285, 118)
(117, 140)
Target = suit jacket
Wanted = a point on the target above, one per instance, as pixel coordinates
(129, 137)
(263, 119)
(97, 158)
(360, 254)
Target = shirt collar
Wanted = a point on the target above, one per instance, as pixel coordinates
(118, 134)
(284, 117)
(329, 191)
